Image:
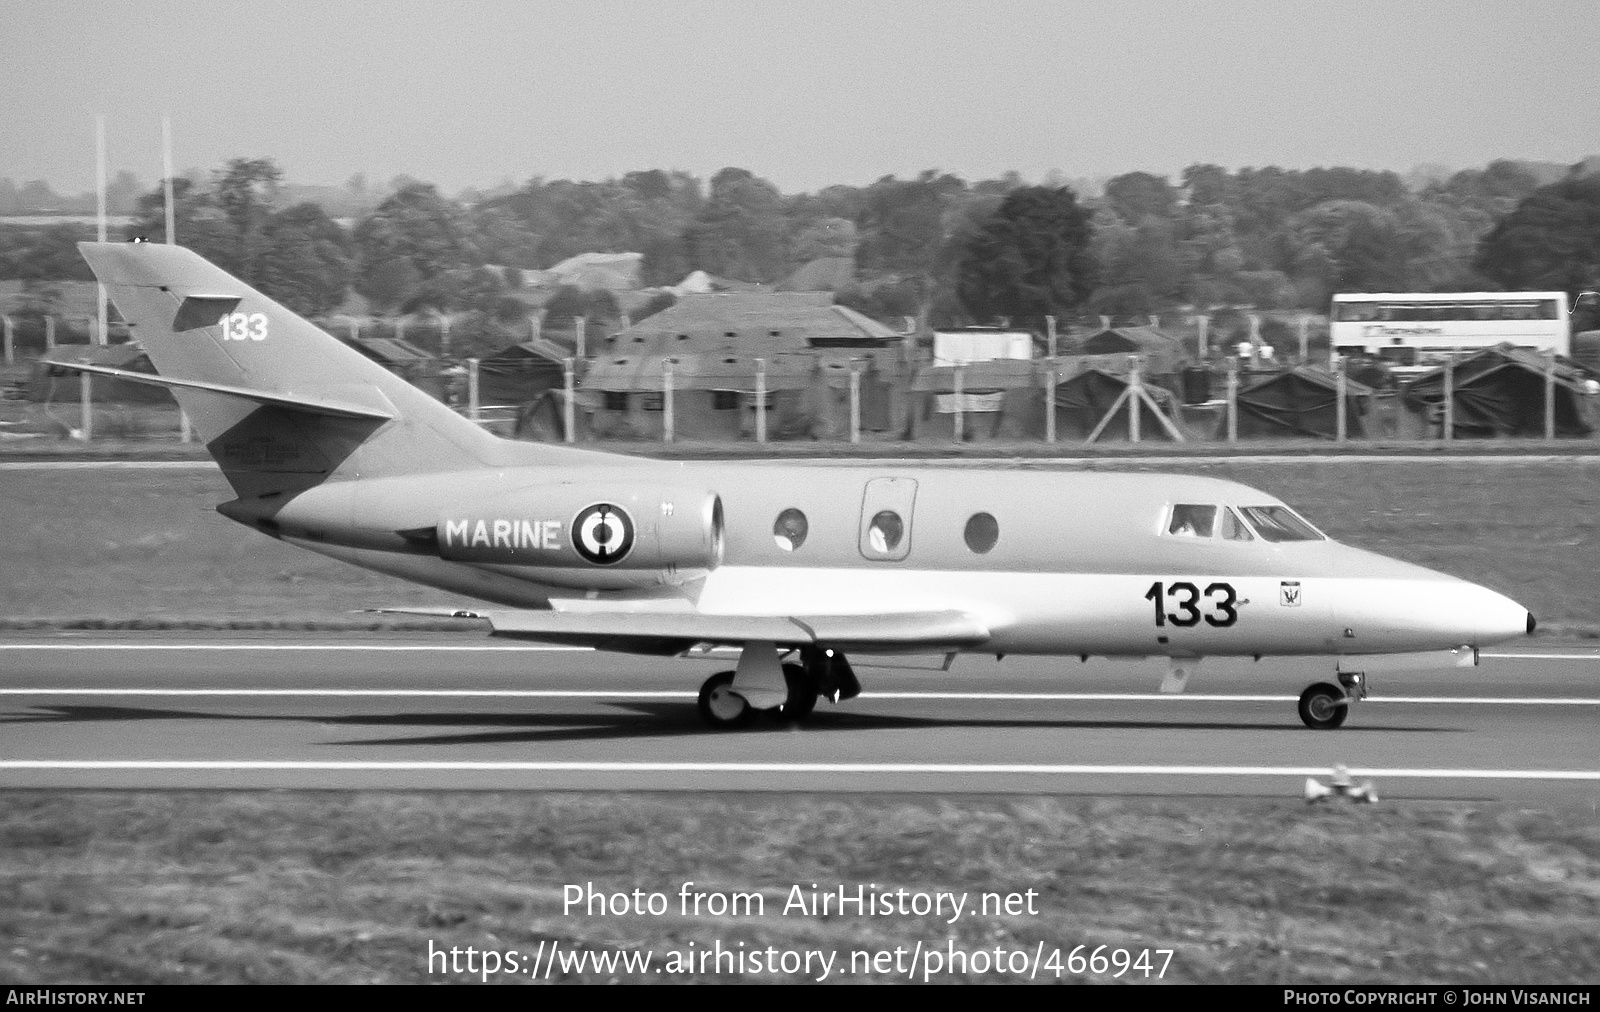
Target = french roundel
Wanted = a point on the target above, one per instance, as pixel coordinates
(603, 533)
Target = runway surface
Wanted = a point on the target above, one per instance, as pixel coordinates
(457, 711)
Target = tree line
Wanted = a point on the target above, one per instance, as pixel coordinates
(935, 246)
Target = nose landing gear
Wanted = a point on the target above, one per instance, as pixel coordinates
(1324, 707)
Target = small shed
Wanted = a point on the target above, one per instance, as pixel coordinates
(1302, 401)
(523, 372)
(417, 366)
(1501, 392)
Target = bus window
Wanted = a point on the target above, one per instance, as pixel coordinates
(1548, 310)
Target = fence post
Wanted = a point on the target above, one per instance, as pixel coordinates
(569, 411)
(398, 325)
(1050, 404)
(1233, 399)
(1050, 330)
(185, 430)
(961, 416)
(580, 327)
(666, 398)
(11, 339)
(1133, 398)
(1550, 393)
(354, 326)
(444, 335)
(1255, 340)
(855, 403)
(761, 400)
(1305, 329)
(49, 333)
(472, 389)
(1339, 406)
(86, 405)
(1449, 431)
(1202, 324)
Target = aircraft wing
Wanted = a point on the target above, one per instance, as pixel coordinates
(672, 632)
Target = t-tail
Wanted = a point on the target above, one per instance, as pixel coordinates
(282, 405)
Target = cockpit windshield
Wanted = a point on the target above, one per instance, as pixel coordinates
(1228, 523)
(1192, 521)
(1279, 523)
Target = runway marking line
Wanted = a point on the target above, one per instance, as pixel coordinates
(402, 766)
(679, 694)
(508, 648)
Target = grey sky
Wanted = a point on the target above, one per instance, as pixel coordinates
(804, 93)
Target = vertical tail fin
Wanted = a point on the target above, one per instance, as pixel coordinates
(202, 325)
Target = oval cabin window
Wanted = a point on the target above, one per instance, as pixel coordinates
(983, 530)
(789, 530)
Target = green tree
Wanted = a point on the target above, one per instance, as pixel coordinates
(1551, 241)
(414, 228)
(1031, 259)
(305, 260)
(741, 231)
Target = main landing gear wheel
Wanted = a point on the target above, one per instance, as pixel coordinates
(1323, 706)
(720, 706)
(802, 694)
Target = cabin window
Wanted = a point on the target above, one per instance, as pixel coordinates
(789, 530)
(982, 532)
(885, 532)
(725, 400)
(1234, 529)
(616, 400)
(1191, 521)
(1279, 523)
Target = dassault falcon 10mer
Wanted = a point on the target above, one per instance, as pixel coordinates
(797, 567)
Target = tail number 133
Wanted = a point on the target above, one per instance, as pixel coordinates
(1189, 604)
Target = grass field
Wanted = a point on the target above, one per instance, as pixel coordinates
(129, 545)
(336, 887)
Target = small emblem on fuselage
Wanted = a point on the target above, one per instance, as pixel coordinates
(603, 533)
(1289, 593)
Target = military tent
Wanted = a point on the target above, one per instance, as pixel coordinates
(1501, 392)
(1302, 401)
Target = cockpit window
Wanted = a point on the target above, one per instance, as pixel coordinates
(1234, 529)
(1279, 523)
(1192, 521)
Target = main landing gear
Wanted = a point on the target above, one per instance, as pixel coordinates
(730, 699)
(1324, 707)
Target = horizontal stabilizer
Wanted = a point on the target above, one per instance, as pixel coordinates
(656, 632)
(312, 405)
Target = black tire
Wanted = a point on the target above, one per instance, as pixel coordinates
(1324, 707)
(802, 694)
(719, 706)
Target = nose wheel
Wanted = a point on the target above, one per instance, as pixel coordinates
(1323, 707)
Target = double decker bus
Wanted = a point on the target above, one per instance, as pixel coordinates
(1425, 328)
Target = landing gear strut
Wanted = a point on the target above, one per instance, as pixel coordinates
(729, 700)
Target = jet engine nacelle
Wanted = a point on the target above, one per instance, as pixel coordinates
(589, 527)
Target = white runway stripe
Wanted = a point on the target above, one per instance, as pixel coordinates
(1049, 769)
(107, 465)
(681, 694)
(303, 647)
